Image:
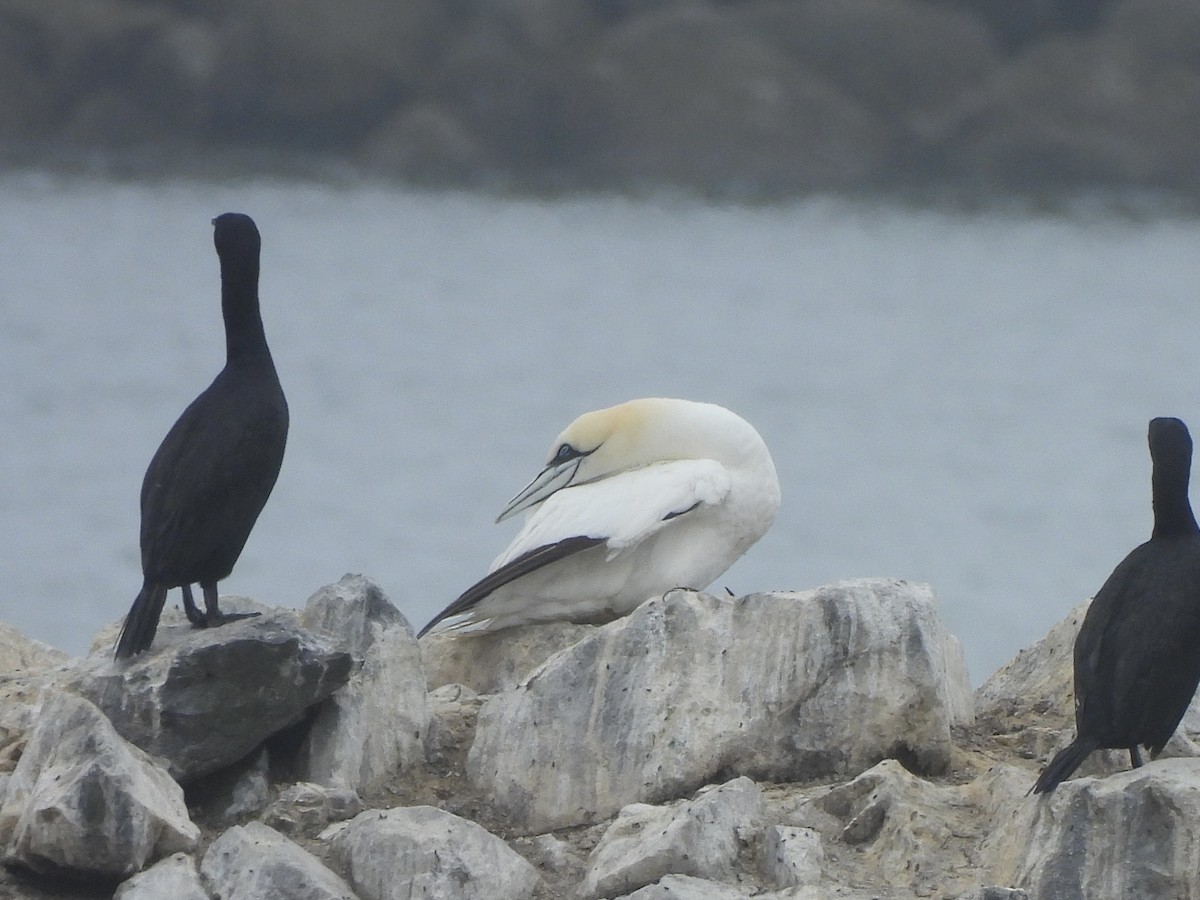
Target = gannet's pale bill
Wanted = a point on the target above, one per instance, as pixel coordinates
(635, 500)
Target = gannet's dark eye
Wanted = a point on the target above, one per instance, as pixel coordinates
(565, 452)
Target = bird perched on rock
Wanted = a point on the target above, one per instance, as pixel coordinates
(215, 469)
(635, 500)
(1137, 656)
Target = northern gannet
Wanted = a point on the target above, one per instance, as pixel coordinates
(215, 469)
(636, 500)
(1137, 655)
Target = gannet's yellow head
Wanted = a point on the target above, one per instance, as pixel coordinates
(639, 433)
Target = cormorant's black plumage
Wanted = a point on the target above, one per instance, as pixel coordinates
(215, 469)
(1137, 656)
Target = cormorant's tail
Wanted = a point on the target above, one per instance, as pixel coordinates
(1065, 762)
(137, 634)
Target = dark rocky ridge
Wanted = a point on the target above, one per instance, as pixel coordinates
(757, 98)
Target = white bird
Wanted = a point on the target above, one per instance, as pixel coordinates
(636, 500)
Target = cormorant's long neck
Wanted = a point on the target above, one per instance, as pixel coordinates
(1172, 509)
(244, 335)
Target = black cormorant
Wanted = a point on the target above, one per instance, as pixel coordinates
(215, 469)
(1137, 656)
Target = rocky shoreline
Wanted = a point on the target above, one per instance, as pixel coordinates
(823, 744)
(744, 99)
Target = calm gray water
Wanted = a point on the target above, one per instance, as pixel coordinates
(954, 399)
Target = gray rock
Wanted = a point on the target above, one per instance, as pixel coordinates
(174, 877)
(254, 862)
(83, 802)
(685, 887)
(204, 698)
(792, 857)
(424, 852)
(700, 837)
(375, 725)
(234, 793)
(783, 687)
(1130, 836)
(490, 662)
(307, 808)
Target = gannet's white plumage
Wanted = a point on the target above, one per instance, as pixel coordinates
(636, 500)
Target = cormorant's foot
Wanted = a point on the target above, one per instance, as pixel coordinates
(190, 609)
(215, 620)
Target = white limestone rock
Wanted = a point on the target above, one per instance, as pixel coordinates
(424, 852)
(903, 824)
(375, 724)
(792, 857)
(27, 667)
(490, 662)
(83, 802)
(255, 862)
(175, 878)
(19, 653)
(204, 698)
(453, 712)
(778, 687)
(700, 837)
(1129, 836)
(890, 829)
(685, 887)
(1028, 703)
(552, 856)
(20, 699)
(839, 892)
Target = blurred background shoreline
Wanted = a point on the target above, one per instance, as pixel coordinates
(970, 100)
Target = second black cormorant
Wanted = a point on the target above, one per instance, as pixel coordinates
(1137, 656)
(216, 467)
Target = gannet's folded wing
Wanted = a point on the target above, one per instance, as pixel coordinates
(621, 510)
(522, 565)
